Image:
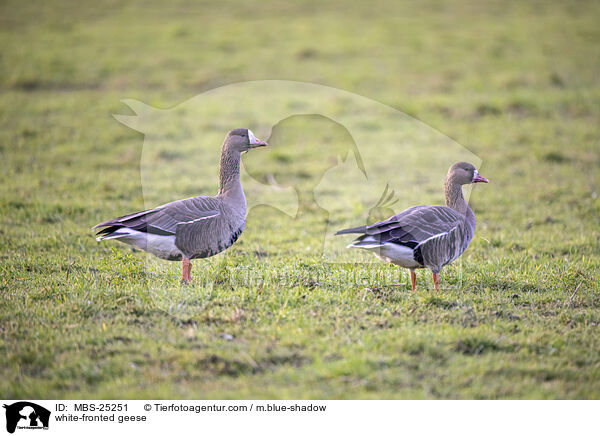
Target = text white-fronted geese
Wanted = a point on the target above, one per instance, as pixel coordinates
(425, 236)
(196, 227)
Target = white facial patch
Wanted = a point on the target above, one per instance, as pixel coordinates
(475, 174)
(252, 139)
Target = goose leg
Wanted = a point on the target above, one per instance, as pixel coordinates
(436, 281)
(186, 271)
(413, 281)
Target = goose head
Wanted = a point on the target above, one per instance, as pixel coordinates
(242, 140)
(463, 173)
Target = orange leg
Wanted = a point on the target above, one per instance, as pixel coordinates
(436, 281)
(413, 281)
(186, 271)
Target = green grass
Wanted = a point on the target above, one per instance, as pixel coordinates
(514, 82)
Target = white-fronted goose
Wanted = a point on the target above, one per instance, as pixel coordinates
(425, 236)
(196, 227)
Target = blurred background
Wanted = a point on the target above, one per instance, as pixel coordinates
(513, 82)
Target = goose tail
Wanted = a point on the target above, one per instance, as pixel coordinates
(361, 229)
(366, 243)
(112, 232)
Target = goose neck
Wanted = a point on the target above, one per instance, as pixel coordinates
(454, 197)
(229, 173)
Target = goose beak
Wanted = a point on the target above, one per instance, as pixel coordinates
(254, 141)
(478, 178)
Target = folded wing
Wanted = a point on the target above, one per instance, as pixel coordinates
(164, 219)
(412, 226)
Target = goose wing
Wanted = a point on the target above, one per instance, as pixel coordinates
(163, 220)
(412, 226)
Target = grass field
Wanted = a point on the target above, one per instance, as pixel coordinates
(516, 83)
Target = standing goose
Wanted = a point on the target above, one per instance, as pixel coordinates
(425, 236)
(196, 227)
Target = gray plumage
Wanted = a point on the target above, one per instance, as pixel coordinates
(437, 234)
(425, 236)
(202, 226)
(196, 227)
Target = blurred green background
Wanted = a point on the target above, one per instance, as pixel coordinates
(515, 82)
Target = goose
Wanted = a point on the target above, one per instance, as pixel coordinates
(196, 227)
(425, 236)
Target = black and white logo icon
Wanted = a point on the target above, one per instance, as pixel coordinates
(26, 415)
